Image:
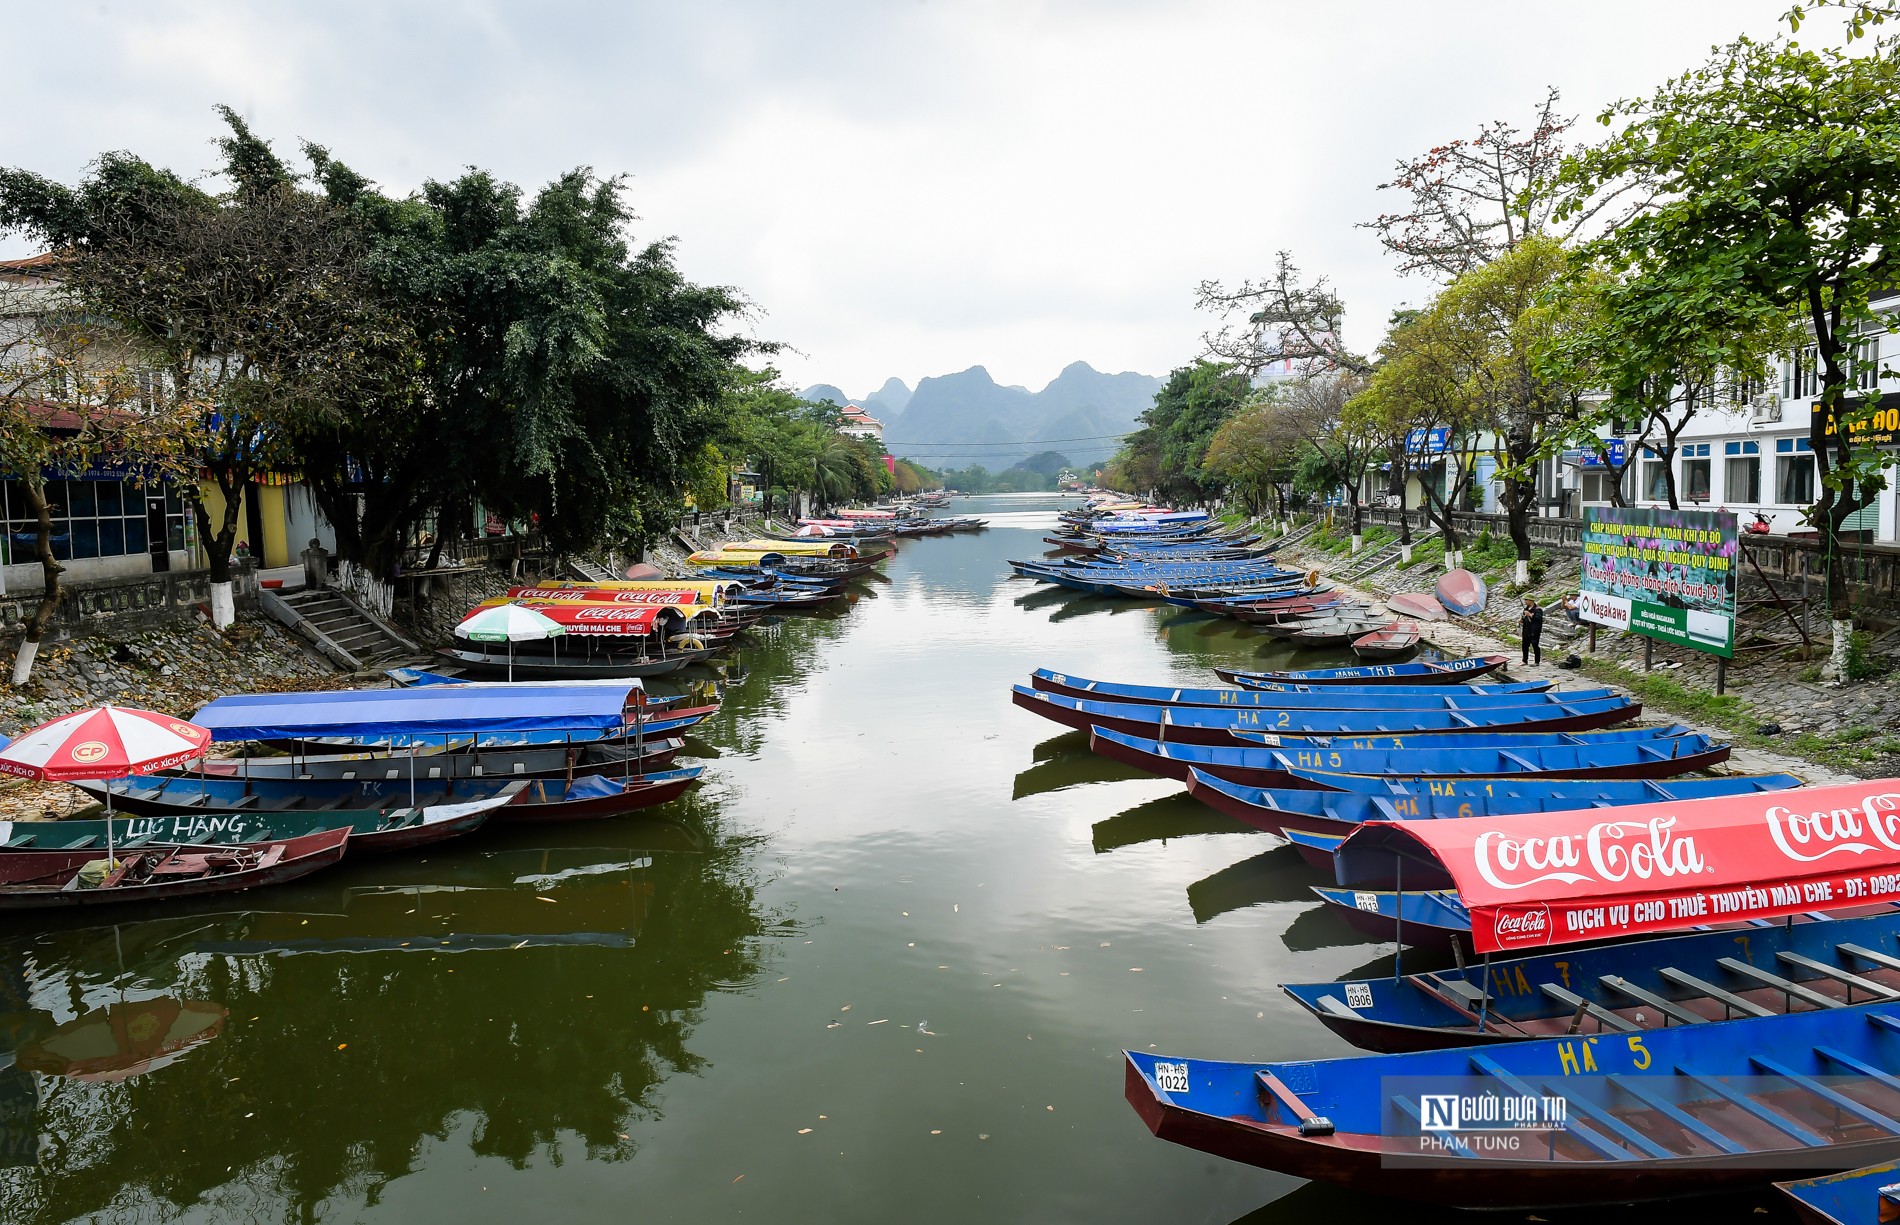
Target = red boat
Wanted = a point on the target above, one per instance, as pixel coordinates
(1393, 642)
(40, 880)
(1462, 592)
(1417, 604)
(586, 799)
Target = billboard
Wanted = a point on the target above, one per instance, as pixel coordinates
(1666, 574)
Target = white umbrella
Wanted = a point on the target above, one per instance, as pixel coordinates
(509, 623)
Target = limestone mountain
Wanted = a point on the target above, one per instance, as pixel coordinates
(955, 420)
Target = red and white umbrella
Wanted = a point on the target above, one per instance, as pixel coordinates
(105, 742)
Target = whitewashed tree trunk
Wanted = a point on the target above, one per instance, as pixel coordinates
(1358, 543)
(1405, 555)
(1836, 669)
(1523, 574)
(223, 607)
(23, 662)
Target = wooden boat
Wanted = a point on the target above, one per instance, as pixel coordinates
(1314, 767)
(194, 798)
(1461, 591)
(551, 762)
(1210, 726)
(1686, 1110)
(1330, 697)
(1281, 810)
(43, 880)
(596, 796)
(1867, 1196)
(1416, 604)
(1395, 641)
(1620, 988)
(371, 830)
(1364, 696)
(1440, 672)
(1325, 633)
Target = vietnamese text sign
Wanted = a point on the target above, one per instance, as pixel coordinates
(1667, 574)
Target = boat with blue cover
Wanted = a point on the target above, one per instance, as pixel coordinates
(1433, 672)
(1429, 697)
(1622, 988)
(1207, 725)
(1315, 767)
(1867, 1196)
(1686, 1110)
(1279, 810)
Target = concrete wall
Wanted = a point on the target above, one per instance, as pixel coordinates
(123, 605)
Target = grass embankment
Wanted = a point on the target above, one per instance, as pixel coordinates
(1851, 749)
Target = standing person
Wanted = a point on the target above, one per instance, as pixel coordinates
(1533, 631)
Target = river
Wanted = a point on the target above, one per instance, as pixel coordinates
(880, 967)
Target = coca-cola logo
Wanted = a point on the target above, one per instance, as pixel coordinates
(1610, 850)
(612, 614)
(1806, 837)
(1521, 925)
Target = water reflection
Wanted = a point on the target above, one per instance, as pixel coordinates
(1171, 816)
(546, 987)
(1275, 875)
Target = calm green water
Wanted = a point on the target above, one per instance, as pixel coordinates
(879, 968)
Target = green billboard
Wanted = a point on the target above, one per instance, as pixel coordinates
(1665, 574)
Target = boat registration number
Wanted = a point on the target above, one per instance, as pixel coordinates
(1366, 901)
(1171, 1077)
(1358, 995)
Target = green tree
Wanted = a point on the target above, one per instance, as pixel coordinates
(1776, 170)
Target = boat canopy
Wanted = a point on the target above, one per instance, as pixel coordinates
(867, 514)
(1552, 878)
(429, 710)
(586, 618)
(675, 596)
(794, 548)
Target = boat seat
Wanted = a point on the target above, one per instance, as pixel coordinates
(1588, 1008)
(1718, 1087)
(23, 840)
(1883, 960)
(1469, 996)
(1671, 1011)
(1638, 1088)
(1840, 1101)
(78, 844)
(1577, 1103)
(1331, 1005)
(135, 843)
(1793, 990)
(332, 805)
(1587, 1135)
(1728, 999)
(194, 799)
(1859, 1067)
(246, 801)
(1879, 991)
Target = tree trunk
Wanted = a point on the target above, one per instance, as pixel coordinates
(34, 485)
(218, 547)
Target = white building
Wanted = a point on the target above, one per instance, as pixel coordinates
(859, 424)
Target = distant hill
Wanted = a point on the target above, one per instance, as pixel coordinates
(955, 420)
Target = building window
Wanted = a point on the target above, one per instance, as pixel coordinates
(1865, 368)
(1742, 480)
(1695, 471)
(90, 519)
(1794, 480)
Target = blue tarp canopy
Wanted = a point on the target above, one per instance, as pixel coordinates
(431, 710)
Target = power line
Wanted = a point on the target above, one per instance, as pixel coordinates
(946, 442)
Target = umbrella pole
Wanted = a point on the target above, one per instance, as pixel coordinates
(110, 856)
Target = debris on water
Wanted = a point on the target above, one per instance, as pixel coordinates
(1104, 944)
(954, 908)
(879, 1021)
(737, 1179)
(834, 1025)
(846, 1008)
(1134, 969)
(936, 1131)
(539, 898)
(804, 1131)
(982, 1135)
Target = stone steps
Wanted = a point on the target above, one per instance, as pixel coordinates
(347, 634)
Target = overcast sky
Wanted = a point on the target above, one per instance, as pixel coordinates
(903, 188)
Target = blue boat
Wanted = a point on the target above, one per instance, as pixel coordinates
(1353, 697)
(1334, 814)
(1208, 725)
(1515, 786)
(1438, 672)
(1619, 988)
(1317, 767)
(1695, 1109)
(1869, 1196)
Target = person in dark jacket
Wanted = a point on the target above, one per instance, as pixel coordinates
(1533, 631)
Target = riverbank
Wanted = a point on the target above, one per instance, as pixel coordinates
(1775, 711)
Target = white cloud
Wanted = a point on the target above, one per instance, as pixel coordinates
(904, 189)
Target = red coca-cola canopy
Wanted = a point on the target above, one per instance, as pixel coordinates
(600, 595)
(1539, 879)
(581, 619)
